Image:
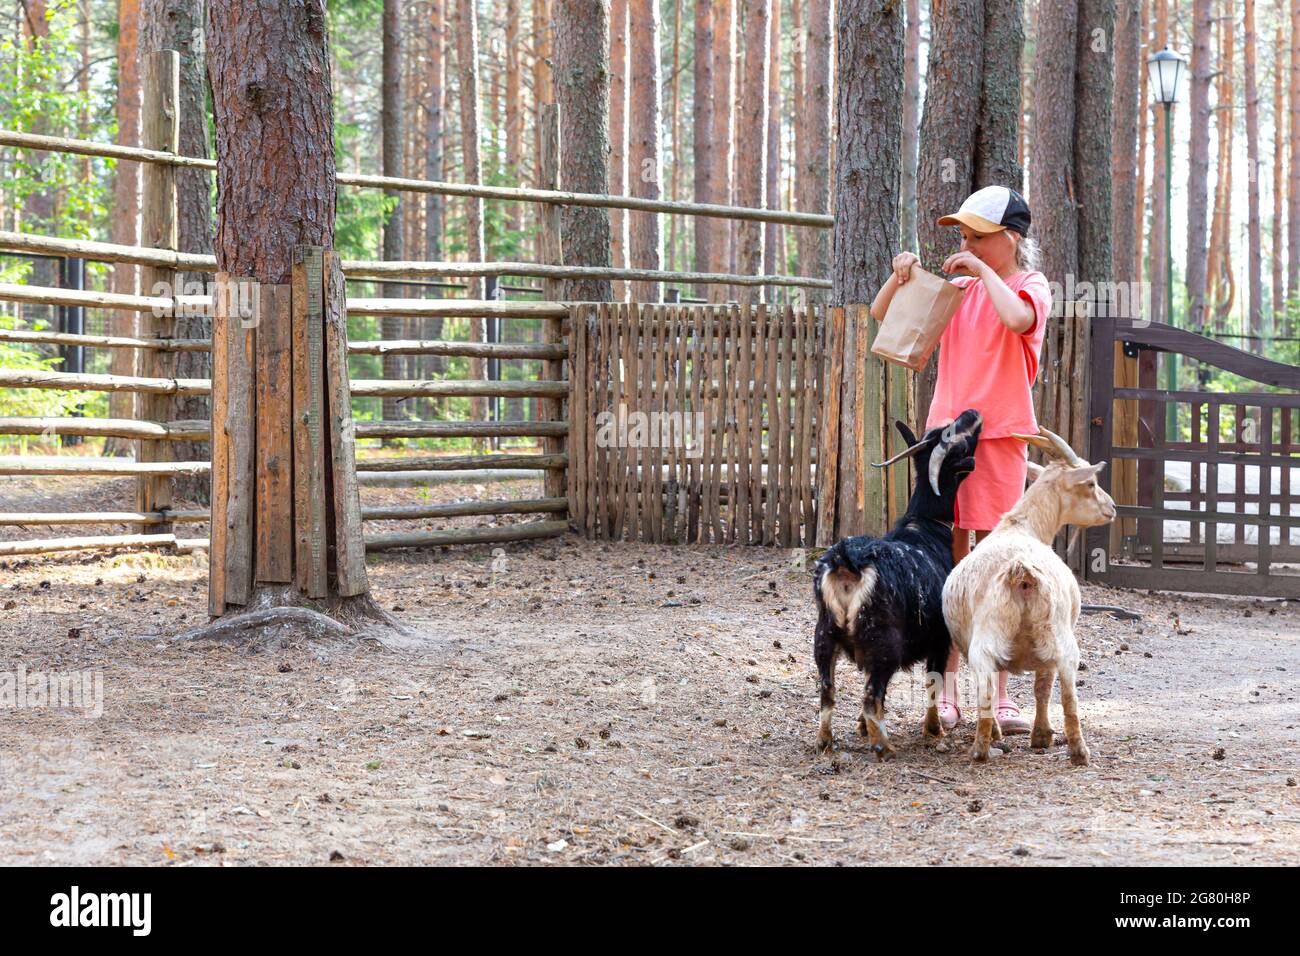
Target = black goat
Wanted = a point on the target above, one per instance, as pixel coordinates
(880, 600)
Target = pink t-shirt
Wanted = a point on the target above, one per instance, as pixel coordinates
(985, 366)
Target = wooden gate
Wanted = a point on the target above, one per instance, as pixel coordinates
(694, 424)
(1215, 506)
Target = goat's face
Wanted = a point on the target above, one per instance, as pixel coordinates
(944, 456)
(1084, 503)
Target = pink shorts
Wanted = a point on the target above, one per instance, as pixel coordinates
(996, 484)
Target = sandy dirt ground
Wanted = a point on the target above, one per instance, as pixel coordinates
(579, 703)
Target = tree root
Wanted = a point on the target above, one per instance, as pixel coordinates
(281, 612)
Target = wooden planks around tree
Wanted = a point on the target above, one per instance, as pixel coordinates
(710, 436)
(349, 548)
(308, 362)
(273, 524)
(160, 229)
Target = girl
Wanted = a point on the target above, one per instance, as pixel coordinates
(988, 360)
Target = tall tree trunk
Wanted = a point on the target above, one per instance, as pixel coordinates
(751, 139)
(1255, 239)
(675, 125)
(817, 152)
(392, 135)
(949, 130)
(1051, 189)
(270, 76)
(1140, 120)
(1094, 99)
(543, 94)
(949, 124)
(467, 64)
(702, 130)
(1293, 165)
(178, 25)
(869, 89)
(1159, 182)
(724, 86)
(1278, 303)
(911, 120)
(125, 226)
(514, 114)
(1124, 161)
(618, 184)
(435, 94)
(997, 152)
(772, 186)
(1198, 171)
(644, 162)
(582, 91)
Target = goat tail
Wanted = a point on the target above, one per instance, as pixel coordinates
(1021, 579)
(843, 587)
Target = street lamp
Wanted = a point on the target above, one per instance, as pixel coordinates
(1165, 71)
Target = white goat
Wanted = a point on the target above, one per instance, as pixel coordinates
(1012, 604)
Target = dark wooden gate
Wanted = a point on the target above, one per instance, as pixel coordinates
(1215, 506)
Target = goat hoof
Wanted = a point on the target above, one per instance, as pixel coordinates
(884, 752)
(979, 754)
(1079, 757)
(1041, 741)
(825, 745)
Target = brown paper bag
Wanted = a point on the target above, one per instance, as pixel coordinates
(921, 309)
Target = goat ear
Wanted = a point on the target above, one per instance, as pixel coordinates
(1035, 471)
(908, 435)
(1077, 476)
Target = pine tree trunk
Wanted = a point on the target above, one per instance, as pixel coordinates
(702, 130)
(582, 91)
(1124, 161)
(1094, 99)
(618, 184)
(1159, 180)
(390, 326)
(1279, 178)
(1202, 69)
(772, 185)
(997, 146)
(178, 25)
(435, 95)
(514, 114)
(1293, 165)
(817, 152)
(1051, 188)
(945, 173)
(911, 120)
(724, 110)
(125, 229)
(271, 93)
(644, 161)
(1255, 239)
(869, 91)
(751, 139)
(1141, 120)
(467, 64)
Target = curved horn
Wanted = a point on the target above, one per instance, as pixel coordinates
(1052, 443)
(905, 453)
(936, 465)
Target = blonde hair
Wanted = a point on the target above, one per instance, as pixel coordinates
(1028, 255)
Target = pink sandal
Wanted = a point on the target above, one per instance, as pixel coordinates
(949, 712)
(1010, 719)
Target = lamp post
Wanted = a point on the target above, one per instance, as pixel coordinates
(1165, 71)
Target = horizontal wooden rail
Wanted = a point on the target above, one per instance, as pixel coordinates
(422, 308)
(505, 350)
(465, 509)
(193, 430)
(77, 381)
(110, 252)
(384, 542)
(104, 341)
(432, 539)
(379, 388)
(463, 462)
(83, 147)
(459, 509)
(73, 465)
(361, 388)
(507, 429)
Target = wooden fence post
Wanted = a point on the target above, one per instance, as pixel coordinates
(553, 333)
(159, 228)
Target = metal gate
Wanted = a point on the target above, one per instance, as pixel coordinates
(1207, 483)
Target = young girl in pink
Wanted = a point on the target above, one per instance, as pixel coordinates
(988, 361)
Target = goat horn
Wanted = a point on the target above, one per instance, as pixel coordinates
(905, 453)
(936, 465)
(1053, 444)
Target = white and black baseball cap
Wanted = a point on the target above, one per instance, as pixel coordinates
(992, 209)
